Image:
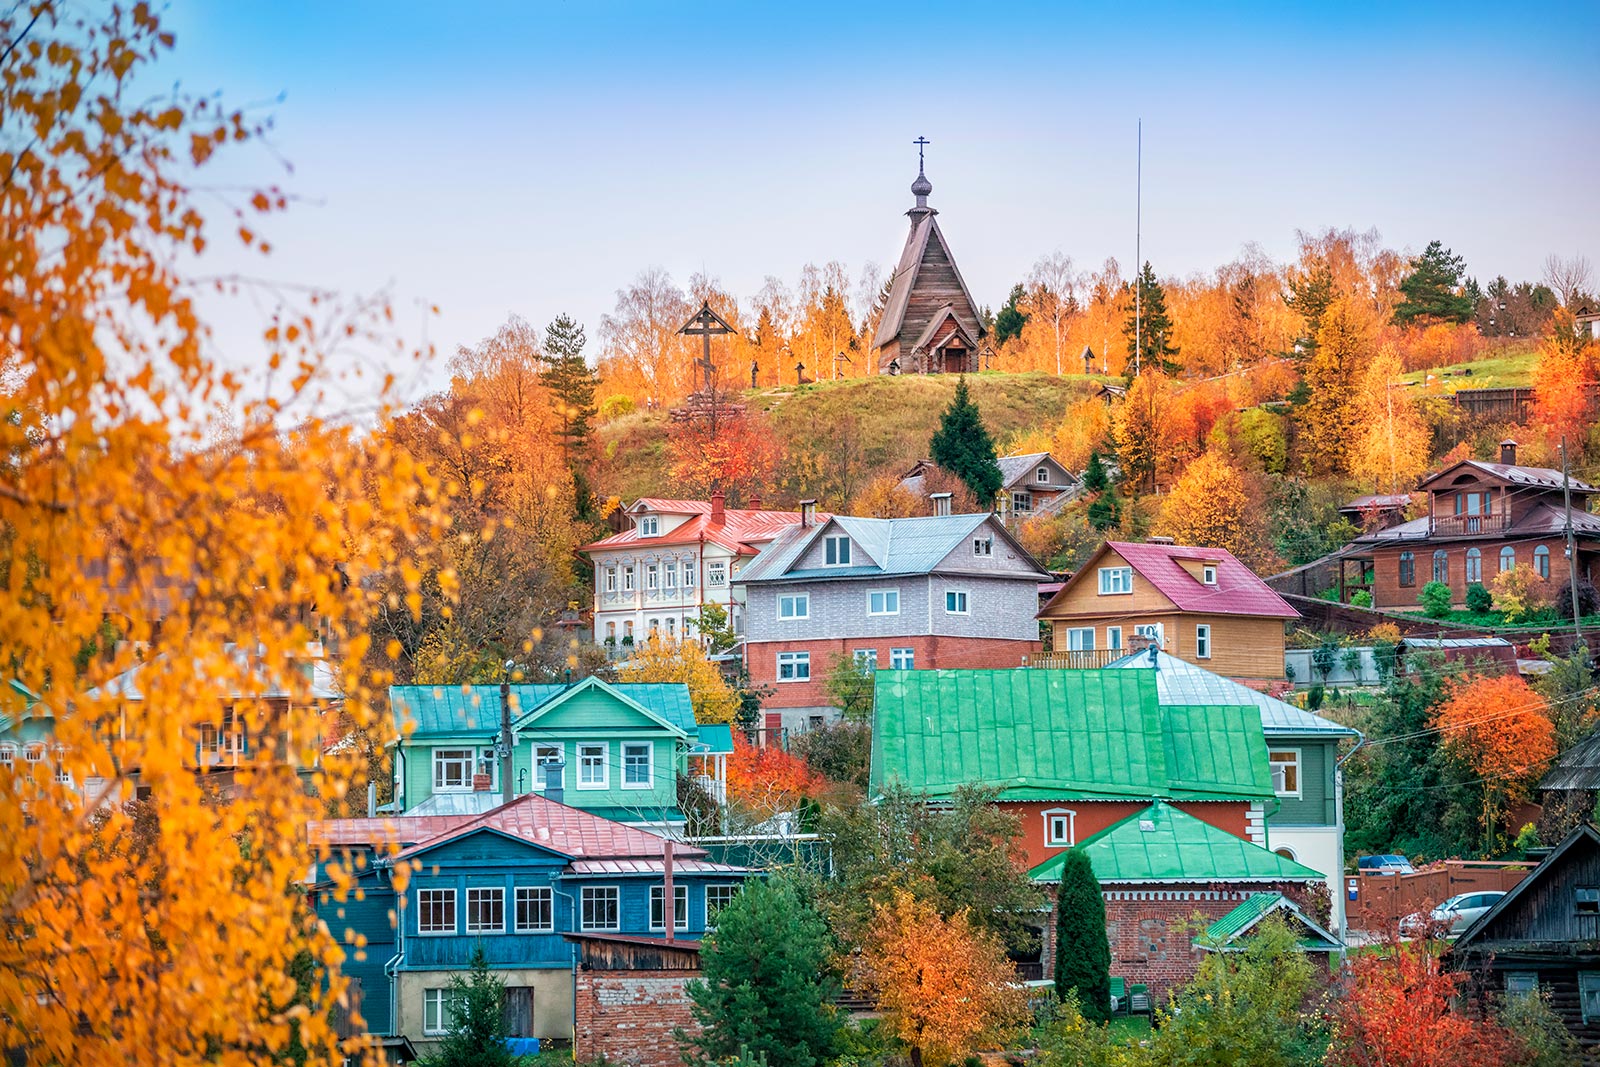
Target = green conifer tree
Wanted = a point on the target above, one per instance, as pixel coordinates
(477, 1035)
(767, 983)
(568, 375)
(1083, 952)
(1009, 322)
(1310, 293)
(1151, 325)
(962, 446)
(1095, 479)
(1433, 290)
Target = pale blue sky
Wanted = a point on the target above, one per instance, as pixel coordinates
(531, 159)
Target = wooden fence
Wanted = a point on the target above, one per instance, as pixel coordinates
(1382, 900)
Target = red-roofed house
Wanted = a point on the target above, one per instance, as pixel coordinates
(1199, 604)
(679, 556)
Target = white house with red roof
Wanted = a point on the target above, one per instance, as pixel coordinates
(1197, 603)
(678, 556)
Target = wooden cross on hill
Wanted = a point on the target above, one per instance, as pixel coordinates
(706, 324)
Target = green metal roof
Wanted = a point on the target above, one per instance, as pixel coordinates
(1040, 735)
(453, 710)
(1257, 906)
(717, 739)
(1164, 844)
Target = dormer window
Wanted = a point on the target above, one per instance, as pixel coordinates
(1042, 475)
(649, 525)
(1208, 574)
(836, 551)
(983, 546)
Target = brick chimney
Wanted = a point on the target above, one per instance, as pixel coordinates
(1508, 452)
(755, 503)
(941, 503)
(808, 512)
(719, 513)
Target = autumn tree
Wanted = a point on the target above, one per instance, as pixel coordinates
(1569, 276)
(885, 498)
(174, 929)
(944, 987)
(1332, 415)
(1432, 291)
(1210, 505)
(734, 453)
(1083, 952)
(1392, 444)
(1563, 381)
(1500, 728)
(663, 659)
(1148, 328)
(1052, 298)
(768, 779)
(963, 447)
(1137, 427)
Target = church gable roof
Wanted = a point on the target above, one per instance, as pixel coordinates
(925, 237)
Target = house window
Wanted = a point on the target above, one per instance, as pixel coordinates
(794, 606)
(688, 574)
(486, 911)
(717, 898)
(1155, 631)
(903, 659)
(1042, 475)
(1541, 561)
(611, 579)
(652, 579)
(592, 767)
(438, 1011)
(983, 546)
(867, 658)
(436, 911)
(672, 628)
(836, 551)
(627, 629)
(1508, 559)
(680, 907)
(63, 776)
(670, 576)
(535, 909)
(1521, 983)
(955, 602)
(627, 579)
(794, 666)
(1202, 641)
(452, 769)
(717, 573)
(1441, 566)
(649, 526)
(636, 770)
(1080, 639)
(33, 752)
(1586, 900)
(652, 625)
(1021, 501)
(883, 602)
(1408, 568)
(1474, 565)
(1116, 580)
(1285, 764)
(611, 632)
(8, 755)
(598, 907)
(1059, 827)
(1113, 637)
(1589, 995)
(1208, 574)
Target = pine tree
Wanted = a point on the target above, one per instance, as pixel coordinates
(1104, 512)
(1009, 322)
(477, 1036)
(1310, 293)
(767, 984)
(568, 375)
(963, 447)
(1433, 291)
(1094, 475)
(1151, 325)
(1083, 952)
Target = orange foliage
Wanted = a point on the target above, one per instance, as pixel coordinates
(769, 779)
(885, 498)
(737, 456)
(1211, 505)
(1562, 381)
(1189, 419)
(1501, 729)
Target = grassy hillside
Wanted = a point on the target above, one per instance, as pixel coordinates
(1510, 367)
(835, 436)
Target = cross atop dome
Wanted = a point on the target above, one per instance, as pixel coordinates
(922, 186)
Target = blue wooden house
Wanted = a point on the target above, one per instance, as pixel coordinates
(620, 747)
(514, 880)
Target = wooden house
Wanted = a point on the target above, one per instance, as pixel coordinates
(1032, 484)
(931, 324)
(1199, 604)
(1544, 937)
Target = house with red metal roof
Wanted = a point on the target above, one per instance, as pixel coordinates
(677, 557)
(1197, 603)
(422, 892)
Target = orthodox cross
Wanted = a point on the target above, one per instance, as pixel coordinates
(920, 142)
(706, 324)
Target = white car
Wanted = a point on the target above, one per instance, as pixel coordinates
(1463, 909)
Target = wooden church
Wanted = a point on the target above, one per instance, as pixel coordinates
(931, 324)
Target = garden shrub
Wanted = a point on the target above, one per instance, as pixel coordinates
(1478, 599)
(1361, 598)
(1435, 599)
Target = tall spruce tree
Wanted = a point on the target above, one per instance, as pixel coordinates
(568, 375)
(477, 1034)
(1310, 293)
(962, 446)
(1011, 319)
(1083, 952)
(1433, 291)
(1148, 327)
(767, 983)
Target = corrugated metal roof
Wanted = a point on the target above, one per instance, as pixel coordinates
(741, 530)
(1060, 733)
(569, 831)
(1258, 906)
(715, 739)
(451, 710)
(1181, 682)
(1578, 767)
(894, 546)
(1542, 477)
(655, 867)
(1164, 844)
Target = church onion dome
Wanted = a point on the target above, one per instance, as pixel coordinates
(922, 186)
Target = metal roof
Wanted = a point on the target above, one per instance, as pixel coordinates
(655, 867)
(1238, 589)
(570, 832)
(1257, 906)
(1578, 767)
(452, 710)
(891, 547)
(1014, 469)
(1542, 477)
(741, 531)
(1163, 844)
(1542, 520)
(1181, 682)
(1038, 734)
(715, 739)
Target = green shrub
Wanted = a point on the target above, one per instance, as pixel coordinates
(1325, 655)
(1478, 598)
(1435, 599)
(616, 406)
(1361, 598)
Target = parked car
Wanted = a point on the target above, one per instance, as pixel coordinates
(1389, 864)
(1454, 915)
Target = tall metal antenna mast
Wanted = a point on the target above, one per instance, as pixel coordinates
(1138, 255)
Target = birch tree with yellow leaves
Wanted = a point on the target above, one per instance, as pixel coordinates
(146, 917)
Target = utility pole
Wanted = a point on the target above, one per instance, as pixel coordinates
(505, 749)
(1138, 254)
(1572, 550)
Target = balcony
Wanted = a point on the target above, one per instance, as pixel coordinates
(1468, 525)
(1080, 660)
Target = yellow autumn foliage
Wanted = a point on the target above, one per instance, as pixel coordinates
(663, 659)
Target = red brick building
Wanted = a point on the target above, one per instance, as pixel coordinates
(629, 998)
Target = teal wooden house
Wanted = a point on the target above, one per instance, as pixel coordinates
(514, 880)
(616, 749)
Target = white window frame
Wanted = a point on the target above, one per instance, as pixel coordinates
(649, 526)
(658, 900)
(649, 764)
(1042, 476)
(437, 1008)
(836, 550)
(1114, 637)
(627, 579)
(717, 573)
(1055, 816)
(1208, 574)
(799, 664)
(983, 546)
(883, 597)
(1202, 640)
(1021, 501)
(866, 657)
(726, 891)
(440, 898)
(672, 628)
(1507, 551)
(669, 575)
(903, 659)
(1077, 636)
(1298, 763)
(593, 894)
(798, 605)
(58, 756)
(611, 579)
(652, 577)
(1116, 581)
(485, 896)
(959, 598)
(439, 762)
(605, 764)
(8, 755)
(689, 567)
(528, 898)
(544, 753)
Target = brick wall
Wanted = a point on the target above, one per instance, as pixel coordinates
(628, 1017)
(932, 653)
